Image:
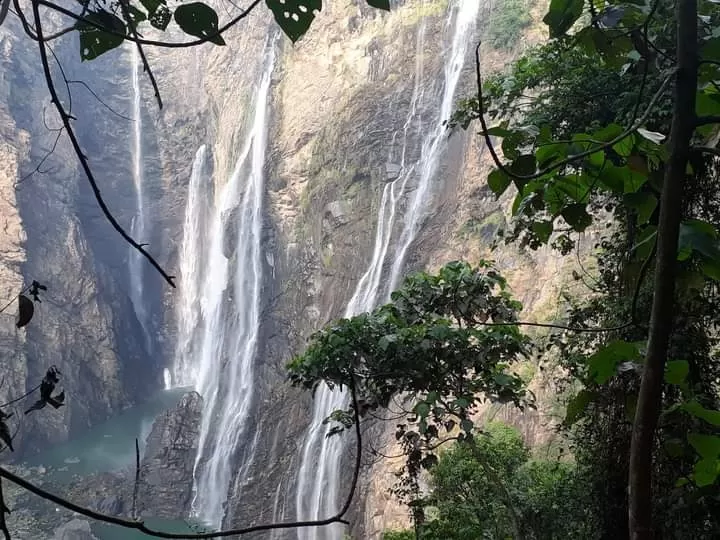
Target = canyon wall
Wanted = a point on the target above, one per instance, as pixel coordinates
(338, 132)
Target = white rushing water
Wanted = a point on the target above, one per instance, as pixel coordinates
(219, 310)
(192, 259)
(138, 228)
(318, 483)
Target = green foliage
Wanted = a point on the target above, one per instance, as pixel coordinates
(583, 124)
(398, 535)
(506, 23)
(199, 20)
(445, 342)
(467, 503)
(561, 15)
(106, 25)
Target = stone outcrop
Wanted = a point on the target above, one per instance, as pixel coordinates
(166, 470)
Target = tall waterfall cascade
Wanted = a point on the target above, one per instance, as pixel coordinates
(138, 228)
(219, 309)
(317, 493)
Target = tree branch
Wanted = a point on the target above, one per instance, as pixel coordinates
(141, 52)
(140, 525)
(136, 486)
(570, 159)
(707, 150)
(152, 42)
(649, 403)
(705, 120)
(78, 151)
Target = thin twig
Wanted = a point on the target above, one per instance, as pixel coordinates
(26, 394)
(152, 42)
(137, 479)
(570, 159)
(705, 120)
(707, 150)
(78, 151)
(141, 52)
(43, 160)
(108, 107)
(26, 289)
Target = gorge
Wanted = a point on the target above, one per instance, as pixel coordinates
(285, 186)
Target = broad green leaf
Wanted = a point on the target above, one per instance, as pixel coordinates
(624, 147)
(576, 187)
(93, 41)
(700, 236)
(708, 446)
(380, 4)
(543, 230)
(547, 154)
(498, 182)
(523, 165)
(643, 203)
(698, 411)
(467, 425)
(422, 409)
(577, 217)
(499, 131)
(645, 242)
(294, 16)
(706, 472)
(676, 371)
(602, 364)
(199, 20)
(561, 15)
(577, 405)
(707, 104)
(607, 133)
(711, 269)
(674, 447)
(462, 403)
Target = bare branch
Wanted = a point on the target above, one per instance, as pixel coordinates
(94, 94)
(705, 120)
(707, 150)
(140, 525)
(65, 117)
(136, 487)
(141, 52)
(43, 160)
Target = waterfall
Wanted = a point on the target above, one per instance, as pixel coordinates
(138, 227)
(319, 475)
(219, 312)
(192, 257)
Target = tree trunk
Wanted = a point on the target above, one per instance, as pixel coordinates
(661, 319)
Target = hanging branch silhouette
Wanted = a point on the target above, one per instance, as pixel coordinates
(138, 525)
(66, 120)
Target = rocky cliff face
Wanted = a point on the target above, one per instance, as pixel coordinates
(166, 470)
(340, 103)
(53, 232)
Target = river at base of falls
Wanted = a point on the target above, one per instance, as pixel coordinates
(108, 447)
